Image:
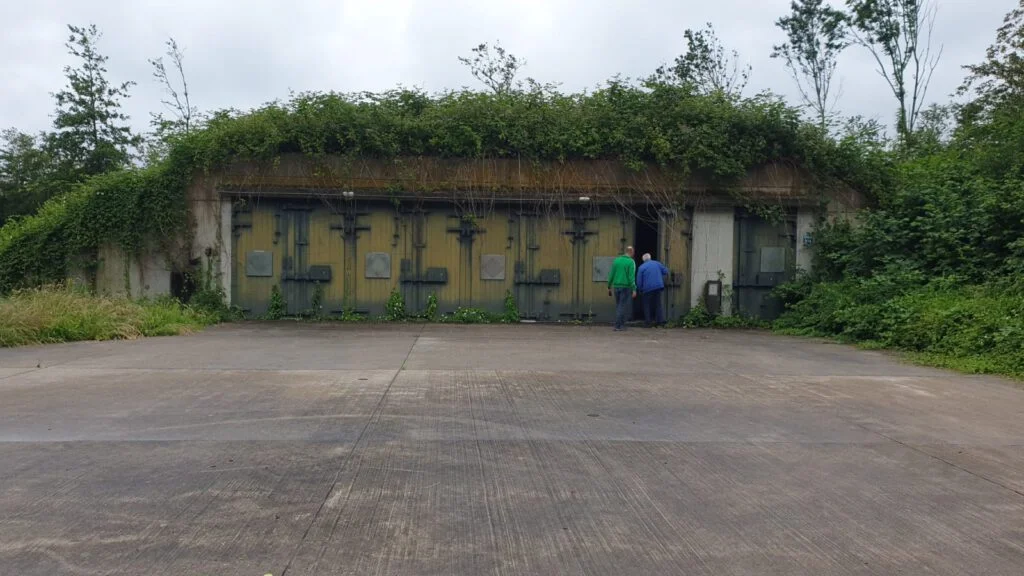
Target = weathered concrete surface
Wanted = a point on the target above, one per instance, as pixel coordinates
(502, 450)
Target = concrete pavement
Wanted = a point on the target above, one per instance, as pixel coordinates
(403, 449)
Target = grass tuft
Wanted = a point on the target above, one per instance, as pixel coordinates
(62, 313)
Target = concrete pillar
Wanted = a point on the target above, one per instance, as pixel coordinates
(211, 240)
(713, 253)
(805, 219)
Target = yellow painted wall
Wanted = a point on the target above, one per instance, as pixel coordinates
(429, 237)
(253, 230)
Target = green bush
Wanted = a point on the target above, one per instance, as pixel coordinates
(213, 302)
(511, 313)
(277, 308)
(430, 312)
(976, 328)
(470, 316)
(699, 317)
(394, 309)
(316, 303)
(61, 313)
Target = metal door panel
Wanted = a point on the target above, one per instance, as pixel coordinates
(674, 247)
(295, 262)
(253, 230)
(766, 256)
(607, 241)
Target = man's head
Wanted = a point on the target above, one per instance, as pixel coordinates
(646, 257)
(629, 251)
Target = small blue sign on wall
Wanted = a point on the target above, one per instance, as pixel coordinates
(808, 239)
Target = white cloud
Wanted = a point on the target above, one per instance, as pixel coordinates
(242, 54)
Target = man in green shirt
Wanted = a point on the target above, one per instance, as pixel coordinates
(622, 283)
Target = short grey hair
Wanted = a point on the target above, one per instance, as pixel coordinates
(647, 257)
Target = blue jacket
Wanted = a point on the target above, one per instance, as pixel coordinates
(650, 276)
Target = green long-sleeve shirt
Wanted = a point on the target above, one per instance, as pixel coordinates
(623, 273)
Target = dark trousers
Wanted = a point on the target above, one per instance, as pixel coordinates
(653, 310)
(623, 297)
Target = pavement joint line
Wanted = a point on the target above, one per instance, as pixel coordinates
(27, 370)
(939, 458)
(39, 367)
(905, 445)
(348, 457)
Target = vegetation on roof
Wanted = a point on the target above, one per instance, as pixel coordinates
(714, 135)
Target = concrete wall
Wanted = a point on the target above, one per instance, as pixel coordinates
(212, 234)
(147, 275)
(80, 277)
(805, 219)
(713, 252)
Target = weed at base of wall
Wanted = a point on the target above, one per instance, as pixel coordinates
(700, 317)
(63, 313)
(276, 309)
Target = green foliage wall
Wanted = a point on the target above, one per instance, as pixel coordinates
(127, 208)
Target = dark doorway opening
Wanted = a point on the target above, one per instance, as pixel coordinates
(183, 283)
(645, 241)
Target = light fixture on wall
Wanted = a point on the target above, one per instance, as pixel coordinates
(584, 198)
(348, 194)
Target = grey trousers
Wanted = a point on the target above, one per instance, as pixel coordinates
(623, 298)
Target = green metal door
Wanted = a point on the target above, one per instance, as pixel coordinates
(296, 284)
(766, 257)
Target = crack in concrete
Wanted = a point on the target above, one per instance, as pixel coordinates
(939, 458)
(348, 458)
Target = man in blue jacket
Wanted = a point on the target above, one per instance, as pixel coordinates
(650, 282)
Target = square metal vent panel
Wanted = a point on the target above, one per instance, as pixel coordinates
(602, 267)
(259, 263)
(378, 265)
(492, 266)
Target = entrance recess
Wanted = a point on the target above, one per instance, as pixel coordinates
(646, 238)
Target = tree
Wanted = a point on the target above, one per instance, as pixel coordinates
(815, 36)
(497, 70)
(898, 33)
(178, 101)
(706, 66)
(92, 133)
(184, 116)
(990, 122)
(24, 171)
(934, 128)
(1001, 76)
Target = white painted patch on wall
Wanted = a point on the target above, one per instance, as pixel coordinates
(713, 252)
(805, 218)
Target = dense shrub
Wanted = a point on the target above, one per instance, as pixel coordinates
(974, 328)
(937, 267)
(943, 217)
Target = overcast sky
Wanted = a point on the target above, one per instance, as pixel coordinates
(244, 53)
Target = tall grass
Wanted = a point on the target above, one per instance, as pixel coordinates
(64, 314)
